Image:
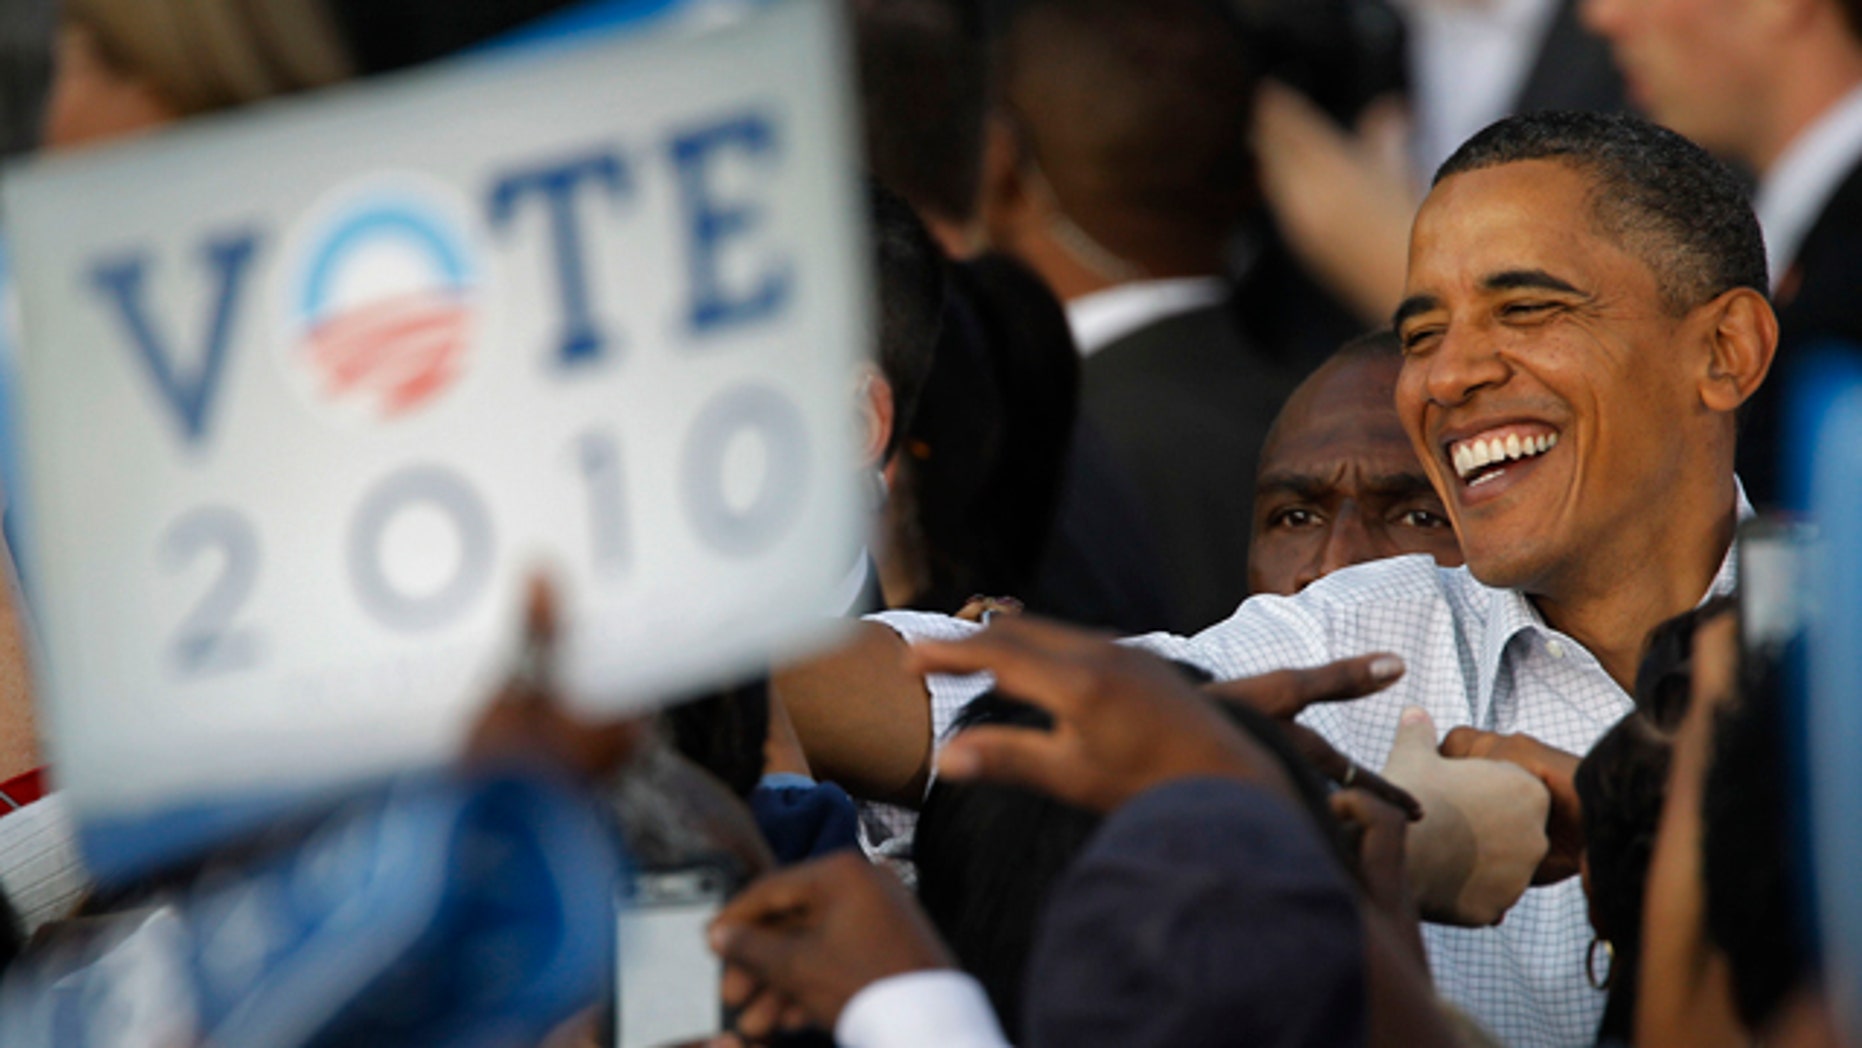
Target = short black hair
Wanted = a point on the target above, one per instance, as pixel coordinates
(987, 857)
(911, 287)
(1622, 784)
(924, 92)
(1654, 192)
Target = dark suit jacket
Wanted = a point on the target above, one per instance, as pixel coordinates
(1819, 300)
(1572, 71)
(1185, 404)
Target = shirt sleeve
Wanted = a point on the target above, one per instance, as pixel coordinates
(935, 1009)
(949, 693)
(40, 869)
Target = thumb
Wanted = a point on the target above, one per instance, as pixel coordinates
(1414, 748)
(770, 955)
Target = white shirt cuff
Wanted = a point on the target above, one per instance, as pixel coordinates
(934, 1009)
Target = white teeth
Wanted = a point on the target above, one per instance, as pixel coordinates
(1474, 454)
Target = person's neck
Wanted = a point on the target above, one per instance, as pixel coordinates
(1627, 592)
(1799, 101)
(1071, 278)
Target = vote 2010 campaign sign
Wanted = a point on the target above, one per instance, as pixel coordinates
(310, 390)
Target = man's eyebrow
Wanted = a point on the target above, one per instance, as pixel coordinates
(1305, 486)
(1411, 306)
(1400, 485)
(1528, 279)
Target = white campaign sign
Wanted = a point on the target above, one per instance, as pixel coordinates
(311, 390)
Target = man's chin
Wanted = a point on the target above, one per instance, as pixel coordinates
(1502, 565)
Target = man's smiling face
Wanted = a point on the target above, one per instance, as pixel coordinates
(1542, 385)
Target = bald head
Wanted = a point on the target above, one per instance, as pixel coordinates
(1136, 116)
(1339, 483)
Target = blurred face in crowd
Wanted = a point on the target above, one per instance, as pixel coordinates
(93, 100)
(1339, 483)
(1692, 65)
(1546, 385)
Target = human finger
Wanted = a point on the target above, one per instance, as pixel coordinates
(781, 895)
(1284, 693)
(1012, 756)
(737, 986)
(770, 957)
(1469, 742)
(1344, 771)
(757, 1020)
(1036, 661)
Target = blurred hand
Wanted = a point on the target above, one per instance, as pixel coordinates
(526, 720)
(1124, 721)
(1551, 766)
(1343, 201)
(799, 943)
(1482, 834)
(1381, 832)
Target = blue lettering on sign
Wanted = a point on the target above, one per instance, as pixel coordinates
(190, 396)
(582, 339)
(714, 223)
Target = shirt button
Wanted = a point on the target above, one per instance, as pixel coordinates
(1554, 648)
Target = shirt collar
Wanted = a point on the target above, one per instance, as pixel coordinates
(1798, 186)
(1510, 613)
(1104, 317)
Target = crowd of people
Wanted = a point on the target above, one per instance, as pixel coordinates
(1393, 378)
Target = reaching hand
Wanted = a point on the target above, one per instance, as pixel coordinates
(799, 943)
(1482, 834)
(1286, 694)
(527, 721)
(1551, 766)
(1124, 720)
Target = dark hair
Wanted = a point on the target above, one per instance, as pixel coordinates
(987, 856)
(386, 35)
(26, 47)
(924, 90)
(1622, 783)
(1653, 191)
(723, 733)
(988, 448)
(1664, 678)
(1137, 114)
(912, 286)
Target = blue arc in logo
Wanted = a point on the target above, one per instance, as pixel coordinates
(383, 221)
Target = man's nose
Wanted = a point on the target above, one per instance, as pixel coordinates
(1462, 363)
(1347, 541)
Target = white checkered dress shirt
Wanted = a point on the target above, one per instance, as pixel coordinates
(1476, 656)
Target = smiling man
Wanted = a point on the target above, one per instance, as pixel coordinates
(1585, 312)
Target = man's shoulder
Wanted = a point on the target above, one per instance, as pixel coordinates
(1408, 605)
(1414, 582)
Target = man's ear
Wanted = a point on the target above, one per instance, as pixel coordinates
(1741, 343)
(873, 402)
